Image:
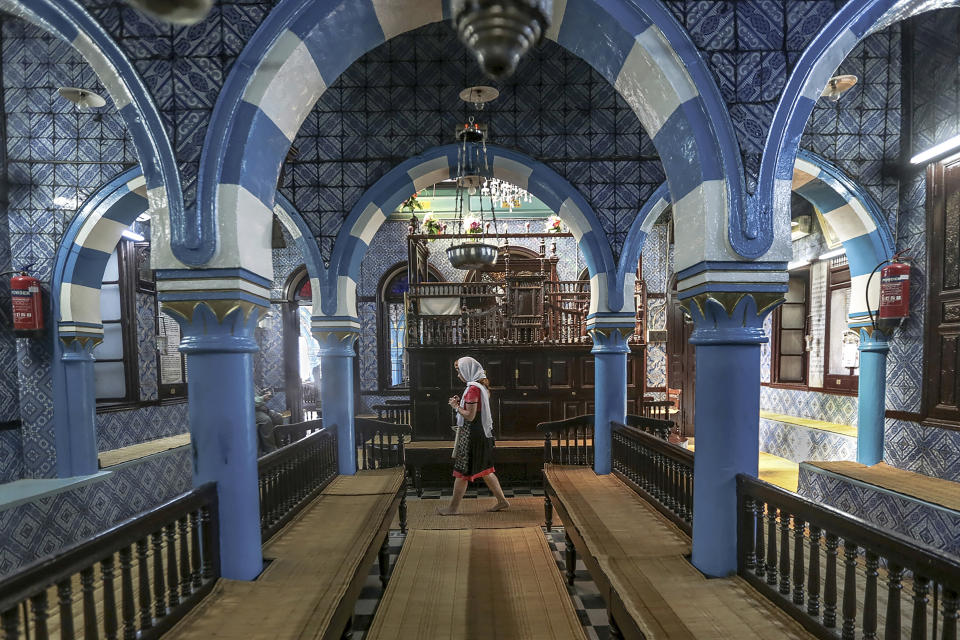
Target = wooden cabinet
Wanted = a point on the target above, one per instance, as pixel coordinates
(529, 385)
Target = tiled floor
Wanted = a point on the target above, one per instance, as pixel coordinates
(586, 598)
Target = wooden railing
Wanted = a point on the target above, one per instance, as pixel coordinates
(168, 559)
(789, 548)
(285, 434)
(568, 441)
(292, 476)
(657, 409)
(379, 443)
(659, 471)
(395, 412)
(654, 426)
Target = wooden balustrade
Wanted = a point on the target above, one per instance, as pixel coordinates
(292, 476)
(789, 548)
(380, 443)
(285, 434)
(74, 594)
(395, 412)
(657, 409)
(659, 471)
(568, 441)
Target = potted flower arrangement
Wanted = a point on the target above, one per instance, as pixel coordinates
(412, 204)
(472, 225)
(554, 224)
(431, 225)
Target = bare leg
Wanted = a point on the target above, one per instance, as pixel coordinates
(493, 483)
(459, 488)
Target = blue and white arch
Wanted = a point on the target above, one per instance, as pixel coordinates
(338, 296)
(856, 220)
(70, 22)
(853, 22)
(304, 45)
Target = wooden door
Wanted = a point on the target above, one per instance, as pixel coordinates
(681, 364)
(941, 383)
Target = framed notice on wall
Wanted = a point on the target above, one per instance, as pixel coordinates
(171, 365)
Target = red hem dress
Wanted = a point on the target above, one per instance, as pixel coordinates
(473, 458)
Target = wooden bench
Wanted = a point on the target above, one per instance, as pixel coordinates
(317, 566)
(638, 560)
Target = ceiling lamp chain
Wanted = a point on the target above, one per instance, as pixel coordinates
(500, 32)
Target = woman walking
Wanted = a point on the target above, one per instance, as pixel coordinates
(473, 450)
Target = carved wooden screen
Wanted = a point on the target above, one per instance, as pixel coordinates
(941, 389)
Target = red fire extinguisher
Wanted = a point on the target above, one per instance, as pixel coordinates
(894, 293)
(27, 299)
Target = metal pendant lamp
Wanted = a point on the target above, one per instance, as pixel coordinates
(500, 32)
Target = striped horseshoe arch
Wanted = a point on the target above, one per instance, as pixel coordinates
(67, 20)
(440, 163)
(857, 221)
(304, 45)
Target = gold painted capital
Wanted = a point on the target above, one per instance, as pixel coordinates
(186, 309)
(729, 300)
(84, 342)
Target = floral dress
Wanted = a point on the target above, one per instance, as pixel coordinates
(474, 455)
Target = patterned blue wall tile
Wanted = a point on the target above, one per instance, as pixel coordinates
(124, 428)
(11, 455)
(146, 341)
(45, 526)
(930, 524)
(799, 443)
(929, 450)
(810, 404)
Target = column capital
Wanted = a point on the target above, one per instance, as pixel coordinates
(610, 331)
(79, 347)
(722, 317)
(874, 339)
(336, 334)
(221, 325)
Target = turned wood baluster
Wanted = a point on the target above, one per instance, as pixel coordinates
(548, 512)
(11, 624)
(771, 545)
(128, 612)
(894, 588)
(830, 590)
(65, 600)
(109, 599)
(171, 535)
(759, 508)
(921, 587)
(798, 529)
(870, 597)
(146, 618)
(784, 552)
(750, 544)
(950, 604)
(182, 529)
(41, 613)
(849, 627)
(813, 576)
(206, 531)
(159, 586)
(195, 573)
(89, 604)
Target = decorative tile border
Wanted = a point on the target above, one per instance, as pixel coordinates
(798, 443)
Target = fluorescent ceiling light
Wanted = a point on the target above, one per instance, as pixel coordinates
(832, 254)
(796, 264)
(936, 150)
(132, 235)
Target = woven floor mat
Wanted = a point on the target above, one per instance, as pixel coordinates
(366, 483)
(473, 584)
(935, 490)
(523, 512)
(609, 515)
(672, 600)
(134, 451)
(314, 559)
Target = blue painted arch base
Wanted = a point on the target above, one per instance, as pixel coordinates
(871, 408)
(610, 351)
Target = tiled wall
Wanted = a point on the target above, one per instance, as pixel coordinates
(124, 428)
(798, 443)
(930, 524)
(655, 276)
(810, 404)
(41, 527)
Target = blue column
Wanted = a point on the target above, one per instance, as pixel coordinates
(218, 338)
(610, 351)
(728, 333)
(76, 432)
(871, 407)
(336, 391)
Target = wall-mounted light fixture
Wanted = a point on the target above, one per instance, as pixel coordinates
(936, 151)
(130, 234)
(83, 98)
(796, 264)
(832, 254)
(837, 86)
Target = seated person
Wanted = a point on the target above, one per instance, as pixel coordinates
(266, 421)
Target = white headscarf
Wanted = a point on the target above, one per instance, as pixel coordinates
(472, 371)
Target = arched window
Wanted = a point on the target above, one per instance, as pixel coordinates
(392, 326)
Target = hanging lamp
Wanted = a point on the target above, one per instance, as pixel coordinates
(500, 32)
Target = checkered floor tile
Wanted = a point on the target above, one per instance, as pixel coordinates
(584, 594)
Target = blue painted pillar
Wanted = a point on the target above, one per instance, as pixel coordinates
(610, 351)
(871, 408)
(336, 391)
(76, 432)
(728, 333)
(218, 338)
